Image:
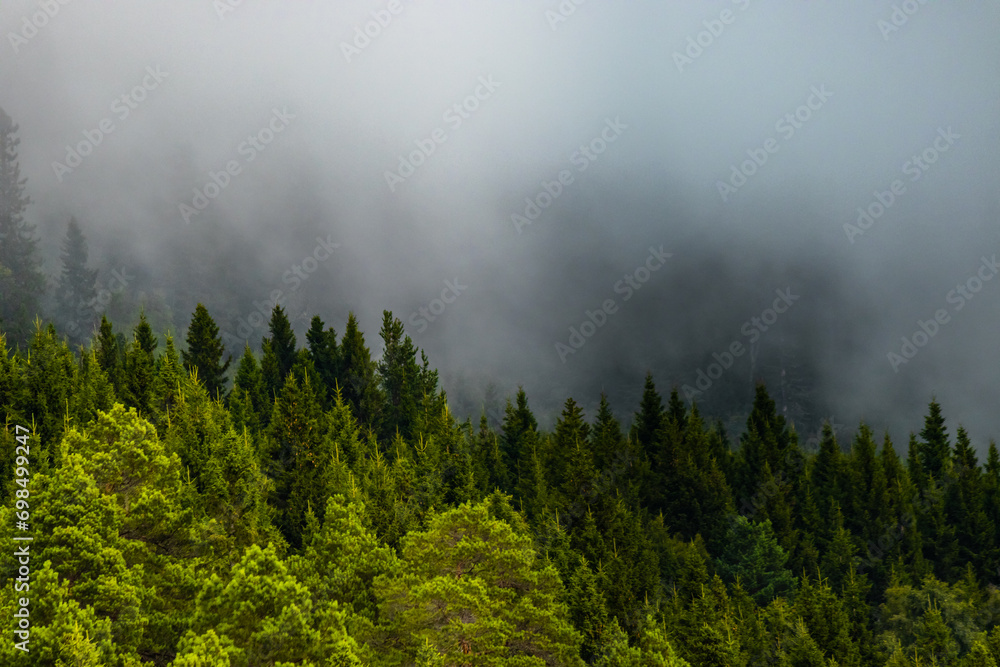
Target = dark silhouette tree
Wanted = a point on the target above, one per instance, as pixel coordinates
(21, 280)
(204, 352)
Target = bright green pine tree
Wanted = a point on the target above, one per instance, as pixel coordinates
(22, 283)
(475, 590)
(92, 391)
(262, 615)
(48, 372)
(205, 351)
(343, 557)
(235, 495)
(75, 289)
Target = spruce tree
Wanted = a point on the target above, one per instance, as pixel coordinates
(21, 280)
(325, 356)
(360, 386)
(140, 367)
(76, 287)
(282, 341)
(934, 448)
(204, 352)
(399, 377)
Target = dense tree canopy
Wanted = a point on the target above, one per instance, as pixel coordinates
(330, 510)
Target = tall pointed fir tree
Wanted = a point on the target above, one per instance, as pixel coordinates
(399, 376)
(282, 345)
(140, 367)
(934, 448)
(21, 280)
(325, 356)
(76, 287)
(205, 350)
(360, 386)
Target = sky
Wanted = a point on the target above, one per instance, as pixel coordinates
(561, 196)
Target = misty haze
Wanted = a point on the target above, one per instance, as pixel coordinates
(689, 309)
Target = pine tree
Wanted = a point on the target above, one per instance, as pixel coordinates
(934, 448)
(325, 356)
(399, 377)
(268, 617)
(587, 610)
(204, 352)
(965, 507)
(21, 280)
(166, 385)
(140, 367)
(570, 460)
(360, 386)
(282, 344)
(473, 588)
(48, 373)
(76, 287)
(648, 421)
(111, 356)
(248, 401)
(298, 454)
(519, 433)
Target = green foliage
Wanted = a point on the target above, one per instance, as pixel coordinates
(474, 589)
(204, 352)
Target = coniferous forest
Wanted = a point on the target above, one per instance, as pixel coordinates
(326, 508)
(307, 493)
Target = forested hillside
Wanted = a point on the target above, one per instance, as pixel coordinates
(315, 506)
